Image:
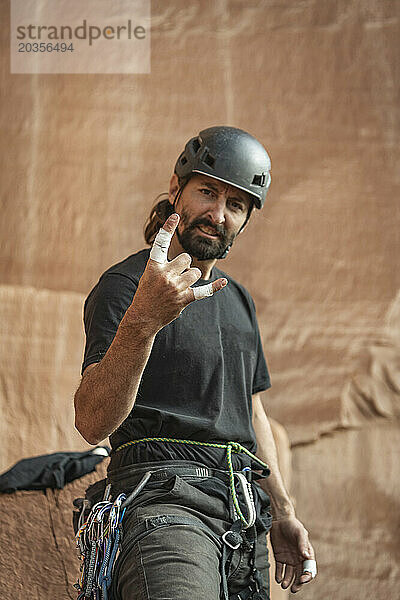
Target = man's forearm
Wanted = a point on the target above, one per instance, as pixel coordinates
(281, 504)
(107, 392)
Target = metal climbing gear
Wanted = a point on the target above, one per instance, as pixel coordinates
(98, 540)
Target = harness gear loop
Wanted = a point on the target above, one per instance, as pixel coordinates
(229, 447)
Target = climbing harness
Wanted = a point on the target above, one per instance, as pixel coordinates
(99, 532)
(233, 538)
(229, 447)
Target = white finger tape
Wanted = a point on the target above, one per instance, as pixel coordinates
(159, 249)
(202, 291)
(310, 566)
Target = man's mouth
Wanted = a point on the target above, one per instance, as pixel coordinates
(208, 232)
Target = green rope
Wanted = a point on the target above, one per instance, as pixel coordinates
(229, 447)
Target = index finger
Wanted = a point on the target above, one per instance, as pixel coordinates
(160, 247)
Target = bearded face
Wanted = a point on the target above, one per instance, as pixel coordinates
(202, 239)
(212, 214)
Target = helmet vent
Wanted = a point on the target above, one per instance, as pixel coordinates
(196, 145)
(183, 160)
(209, 160)
(259, 180)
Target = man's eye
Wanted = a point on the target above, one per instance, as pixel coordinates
(206, 191)
(238, 206)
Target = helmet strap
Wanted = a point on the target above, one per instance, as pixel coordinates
(179, 193)
(225, 252)
(247, 218)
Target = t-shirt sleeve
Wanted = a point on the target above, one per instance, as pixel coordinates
(261, 379)
(103, 311)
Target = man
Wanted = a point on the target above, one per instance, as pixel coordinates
(172, 371)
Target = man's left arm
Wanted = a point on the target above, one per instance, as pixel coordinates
(289, 538)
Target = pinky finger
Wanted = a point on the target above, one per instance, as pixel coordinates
(203, 291)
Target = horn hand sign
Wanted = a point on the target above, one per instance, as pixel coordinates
(165, 289)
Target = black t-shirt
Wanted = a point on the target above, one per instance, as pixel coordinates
(202, 371)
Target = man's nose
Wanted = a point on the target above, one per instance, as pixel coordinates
(217, 212)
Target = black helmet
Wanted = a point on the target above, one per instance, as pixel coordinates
(230, 155)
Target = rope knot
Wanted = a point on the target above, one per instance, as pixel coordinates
(235, 447)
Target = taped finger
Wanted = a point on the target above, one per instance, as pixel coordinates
(159, 249)
(203, 291)
(310, 566)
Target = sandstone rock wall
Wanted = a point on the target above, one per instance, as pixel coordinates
(84, 156)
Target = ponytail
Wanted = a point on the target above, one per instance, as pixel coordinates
(160, 213)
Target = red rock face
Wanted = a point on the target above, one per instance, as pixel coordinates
(84, 158)
(37, 541)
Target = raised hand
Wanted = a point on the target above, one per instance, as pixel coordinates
(164, 289)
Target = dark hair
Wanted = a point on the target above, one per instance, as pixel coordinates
(160, 213)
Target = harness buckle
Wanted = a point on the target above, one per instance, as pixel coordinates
(233, 536)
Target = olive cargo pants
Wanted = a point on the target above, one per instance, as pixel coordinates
(171, 547)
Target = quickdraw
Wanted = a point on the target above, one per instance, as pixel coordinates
(97, 541)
